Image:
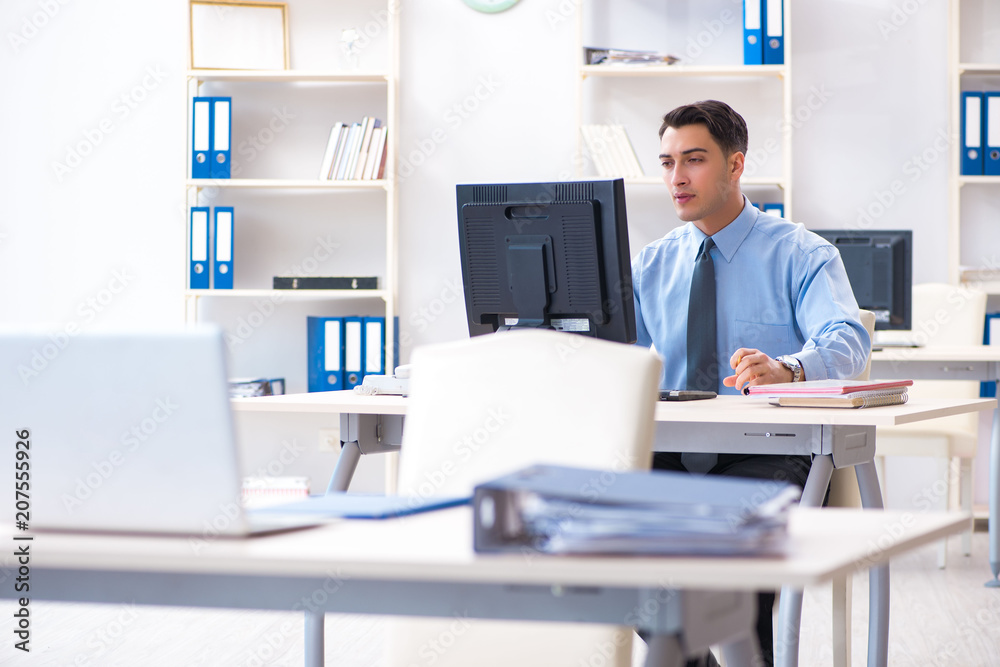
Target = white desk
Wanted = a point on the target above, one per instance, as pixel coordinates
(391, 567)
(727, 424)
(980, 363)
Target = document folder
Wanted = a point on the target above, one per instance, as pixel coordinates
(354, 351)
(221, 134)
(972, 134)
(991, 135)
(324, 342)
(753, 42)
(201, 137)
(199, 275)
(774, 32)
(362, 506)
(222, 277)
(558, 509)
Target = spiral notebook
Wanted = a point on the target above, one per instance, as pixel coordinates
(858, 399)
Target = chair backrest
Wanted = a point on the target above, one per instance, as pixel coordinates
(483, 407)
(868, 321)
(948, 315)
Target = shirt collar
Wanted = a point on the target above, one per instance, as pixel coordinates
(730, 238)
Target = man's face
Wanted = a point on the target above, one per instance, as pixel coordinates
(701, 179)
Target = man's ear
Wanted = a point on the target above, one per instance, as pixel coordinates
(737, 161)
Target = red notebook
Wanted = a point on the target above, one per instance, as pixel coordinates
(824, 387)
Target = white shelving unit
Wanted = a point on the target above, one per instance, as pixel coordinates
(333, 195)
(974, 65)
(663, 76)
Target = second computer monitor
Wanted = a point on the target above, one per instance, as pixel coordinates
(879, 265)
(548, 255)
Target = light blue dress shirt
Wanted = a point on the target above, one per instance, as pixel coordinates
(779, 288)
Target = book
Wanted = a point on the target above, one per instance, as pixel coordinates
(331, 150)
(824, 387)
(325, 282)
(858, 399)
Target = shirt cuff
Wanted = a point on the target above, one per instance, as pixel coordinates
(812, 365)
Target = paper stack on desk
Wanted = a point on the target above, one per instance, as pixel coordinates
(563, 510)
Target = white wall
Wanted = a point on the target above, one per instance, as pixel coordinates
(483, 98)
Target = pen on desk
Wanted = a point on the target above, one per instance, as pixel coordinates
(746, 390)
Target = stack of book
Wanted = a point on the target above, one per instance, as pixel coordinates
(834, 393)
(355, 152)
(611, 151)
(565, 510)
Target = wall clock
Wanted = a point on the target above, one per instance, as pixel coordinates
(490, 6)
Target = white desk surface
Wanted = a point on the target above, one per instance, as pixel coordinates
(724, 409)
(967, 353)
(437, 546)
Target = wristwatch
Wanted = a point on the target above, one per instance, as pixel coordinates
(792, 364)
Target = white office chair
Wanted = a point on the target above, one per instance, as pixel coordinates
(947, 315)
(483, 407)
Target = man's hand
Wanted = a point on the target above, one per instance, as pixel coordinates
(753, 368)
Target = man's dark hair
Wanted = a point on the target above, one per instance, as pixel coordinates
(725, 125)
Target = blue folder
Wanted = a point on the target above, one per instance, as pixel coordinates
(354, 351)
(753, 36)
(325, 351)
(991, 134)
(225, 227)
(201, 137)
(774, 32)
(363, 505)
(221, 137)
(198, 248)
(972, 133)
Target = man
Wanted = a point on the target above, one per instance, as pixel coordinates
(737, 297)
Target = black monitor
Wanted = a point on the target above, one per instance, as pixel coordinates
(880, 267)
(547, 255)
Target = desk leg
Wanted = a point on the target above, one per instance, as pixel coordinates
(314, 639)
(878, 576)
(350, 454)
(786, 649)
(994, 517)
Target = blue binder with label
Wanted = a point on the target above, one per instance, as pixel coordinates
(221, 137)
(201, 137)
(774, 32)
(199, 274)
(354, 351)
(753, 38)
(989, 389)
(222, 274)
(325, 350)
(774, 208)
(972, 133)
(991, 135)
(374, 346)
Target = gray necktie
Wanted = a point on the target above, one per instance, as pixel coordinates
(702, 365)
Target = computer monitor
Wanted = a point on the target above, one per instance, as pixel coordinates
(879, 265)
(547, 255)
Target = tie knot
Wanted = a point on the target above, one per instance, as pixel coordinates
(706, 246)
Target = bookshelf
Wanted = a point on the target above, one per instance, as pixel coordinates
(645, 92)
(287, 220)
(974, 65)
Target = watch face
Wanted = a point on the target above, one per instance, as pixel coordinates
(490, 6)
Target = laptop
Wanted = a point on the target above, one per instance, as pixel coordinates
(126, 432)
